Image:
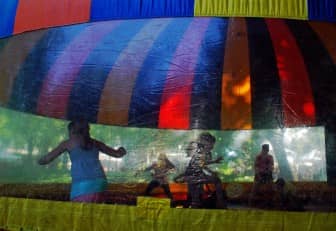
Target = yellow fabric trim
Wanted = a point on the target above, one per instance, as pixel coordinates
(31, 214)
(293, 9)
(152, 202)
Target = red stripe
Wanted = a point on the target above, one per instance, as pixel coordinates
(37, 14)
(297, 98)
(176, 98)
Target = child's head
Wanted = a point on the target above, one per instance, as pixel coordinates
(207, 140)
(162, 156)
(280, 184)
(162, 160)
(194, 148)
(80, 127)
(70, 128)
(265, 148)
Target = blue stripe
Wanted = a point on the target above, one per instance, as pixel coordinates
(7, 12)
(121, 9)
(29, 81)
(322, 10)
(206, 92)
(85, 95)
(147, 92)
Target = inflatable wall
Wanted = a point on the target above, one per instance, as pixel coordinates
(177, 73)
(151, 76)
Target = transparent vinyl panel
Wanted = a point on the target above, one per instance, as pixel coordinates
(299, 153)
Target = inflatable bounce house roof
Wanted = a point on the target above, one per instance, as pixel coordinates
(19, 15)
(179, 72)
(172, 64)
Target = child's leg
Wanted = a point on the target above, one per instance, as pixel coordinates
(151, 186)
(195, 194)
(167, 190)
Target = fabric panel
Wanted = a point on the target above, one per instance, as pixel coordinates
(297, 99)
(321, 78)
(322, 10)
(29, 214)
(236, 111)
(89, 82)
(7, 12)
(12, 56)
(295, 9)
(121, 9)
(116, 94)
(205, 105)
(51, 13)
(327, 34)
(62, 74)
(265, 83)
(175, 102)
(33, 71)
(147, 92)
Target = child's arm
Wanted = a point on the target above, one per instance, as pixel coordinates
(120, 152)
(215, 161)
(179, 178)
(62, 147)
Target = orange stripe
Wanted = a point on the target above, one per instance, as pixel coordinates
(236, 88)
(11, 58)
(327, 34)
(37, 14)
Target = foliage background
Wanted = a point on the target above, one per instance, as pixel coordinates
(299, 153)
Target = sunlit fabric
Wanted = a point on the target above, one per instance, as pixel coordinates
(236, 82)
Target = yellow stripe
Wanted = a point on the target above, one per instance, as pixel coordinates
(294, 9)
(11, 59)
(29, 214)
(236, 88)
(327, 34)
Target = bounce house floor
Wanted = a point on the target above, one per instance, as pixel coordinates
(47, 207)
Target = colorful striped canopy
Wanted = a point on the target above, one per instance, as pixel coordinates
(180, 73)
(24, 15)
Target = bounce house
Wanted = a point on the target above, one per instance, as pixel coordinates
(151, 76)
